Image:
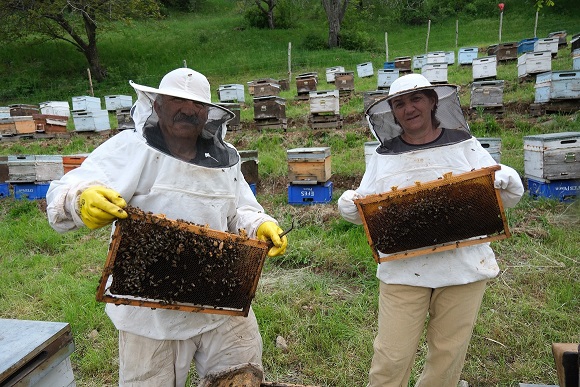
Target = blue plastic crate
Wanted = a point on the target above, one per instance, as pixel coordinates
(526, 45)
(30, 191)
(563, 190)
(389, 65)
(4, 190)
(310, 193)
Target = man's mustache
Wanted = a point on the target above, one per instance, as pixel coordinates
(193, 119)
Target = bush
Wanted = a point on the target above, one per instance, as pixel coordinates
(356, 40)
(312, 41)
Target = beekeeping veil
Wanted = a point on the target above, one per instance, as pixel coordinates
(191, 85)
(382, 120)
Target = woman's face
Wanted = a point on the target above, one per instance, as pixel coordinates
(413, 111)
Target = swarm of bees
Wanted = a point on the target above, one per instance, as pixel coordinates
(180, 262)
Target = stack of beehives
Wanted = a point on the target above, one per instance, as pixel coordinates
(325, 110)
(88, 115)
(309, 175)
(269, 107)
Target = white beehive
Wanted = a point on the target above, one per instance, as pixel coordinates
(436, 57)
(330, 71)
(557, 85)
(534, 63)
(485, 67)
(486, 93)
(450, 57)
(231, 93)
(118, 102)
(324, 102)
(435, 72)
(419, 61)
(547, 44)
(86, 102)
(386, 77)
(467, 55)
(56, 108)
(552, 156)
(95, 121)
(365, 69)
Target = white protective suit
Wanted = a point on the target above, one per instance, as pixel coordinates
(452, 267)
(154, 181)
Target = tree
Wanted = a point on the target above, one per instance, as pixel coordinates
(335, 10)
(72, 21)
(267, 10)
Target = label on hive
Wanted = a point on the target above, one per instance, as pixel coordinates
(161, 263)
(444, 214)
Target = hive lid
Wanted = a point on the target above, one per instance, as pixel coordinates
(301, 153)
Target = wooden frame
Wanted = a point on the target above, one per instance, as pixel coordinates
(419, 203)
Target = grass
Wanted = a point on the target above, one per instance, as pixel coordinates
(319, 298)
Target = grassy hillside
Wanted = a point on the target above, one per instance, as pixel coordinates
(321, 296)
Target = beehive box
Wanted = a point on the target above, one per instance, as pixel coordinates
(18, 110)
(49, 123)
(557, 85)
(269, 107)
(370, 148)
(86, 103)
(299, 194)
(562, 190)
(36, 353)
(389, 65)
(506, 51)
(575, 42)
(466, 55)
(71, 162)
(236, 109)
(436, 57)
(370, 97)
(403, 63)
(118, 102)
(326, 101)
(309, 165)
(486, 93)
(547, 44)
(4, 190)
(330, 71)
(21, 169)
(306, 82)
(124, 119)
(365, 69)
(526, 45)
(55, 108)
(249, 165)
(4, 112)
(87, 120)
(552, 156)
(485, 67)
(435, 72)
(534, 63)
(561, 36)
(450, 57)
(24, 124)
(157, 262)
(7, 126)
(492, 146)
(445, 214)
(232, 92)
(344, 81)
(30, 191)
(418, 61)
(265, 89)
(386, 77)
(491, 50)
(48, 167)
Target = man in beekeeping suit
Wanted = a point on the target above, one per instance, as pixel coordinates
(175, 162)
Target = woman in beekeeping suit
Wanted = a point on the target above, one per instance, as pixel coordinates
(175, 162)
(423, 135)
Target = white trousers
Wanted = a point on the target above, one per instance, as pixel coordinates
(403, 309)
(145, 362)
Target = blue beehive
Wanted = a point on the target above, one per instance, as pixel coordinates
(526, 45)
(562, 190)
(310, 193)
(4, 190)
(31, 191)
(389, 65)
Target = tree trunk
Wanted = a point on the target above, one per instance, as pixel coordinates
(335, 11)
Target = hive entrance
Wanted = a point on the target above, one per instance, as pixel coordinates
(162, 263)
(440, 215)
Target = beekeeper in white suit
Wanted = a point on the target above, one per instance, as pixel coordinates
(423, 135)
(175, 163)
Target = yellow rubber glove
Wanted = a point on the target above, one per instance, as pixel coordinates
(100, 206)
(269, 231)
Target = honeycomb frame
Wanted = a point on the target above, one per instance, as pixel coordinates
(157, 262)
(430, 217)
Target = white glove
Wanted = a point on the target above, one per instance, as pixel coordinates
(347, 208)
(510, 185)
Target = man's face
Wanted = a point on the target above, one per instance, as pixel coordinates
(180, 118)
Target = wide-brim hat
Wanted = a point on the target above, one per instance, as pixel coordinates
(181, 83)
(382, 121)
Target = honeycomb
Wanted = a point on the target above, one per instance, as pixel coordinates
(161, 263)
(447, 213)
